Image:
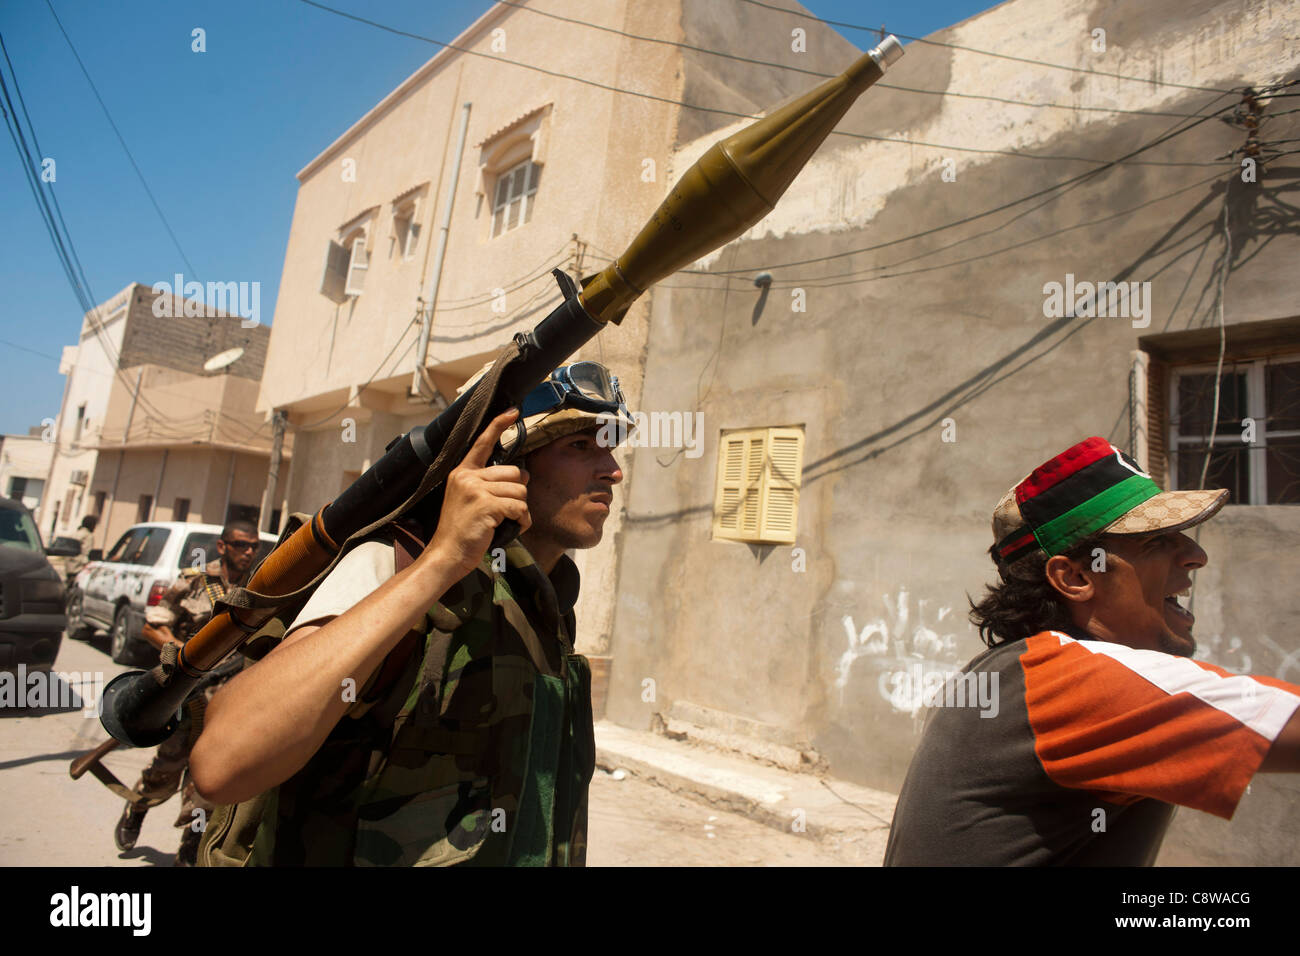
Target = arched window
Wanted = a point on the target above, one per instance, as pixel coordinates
(406, 230)
(407, 209)
(510, 168)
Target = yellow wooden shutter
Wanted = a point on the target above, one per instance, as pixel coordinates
(781, 487)
(757, 497)
(751, 508)
(731, 486)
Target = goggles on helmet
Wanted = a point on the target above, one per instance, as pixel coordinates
(585, 385)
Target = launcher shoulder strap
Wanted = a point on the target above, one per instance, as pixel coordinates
(408, 539)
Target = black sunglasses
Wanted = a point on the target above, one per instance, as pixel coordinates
(239, 545)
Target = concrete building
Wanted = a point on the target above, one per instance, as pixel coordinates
(145, 432)
(905, 363)
(24, 464)
(519, 171)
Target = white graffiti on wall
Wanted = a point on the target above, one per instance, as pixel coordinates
(1230, 654)
(898, 643)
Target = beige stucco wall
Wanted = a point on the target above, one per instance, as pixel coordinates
(605, 171)
(591, 184)
(204, 476)
(200, 417)
(215, 409)
(25, 456)
(90, 379)
(318, 347)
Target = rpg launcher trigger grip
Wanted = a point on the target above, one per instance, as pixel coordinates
(508, 530)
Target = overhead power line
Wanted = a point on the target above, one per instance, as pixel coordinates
(23, 348)
(946, 147)
(859, 276)
(1001, 56)
(47, 205)
(862, 275)
(1165, 137)
(373, 375)
(820, 75)
(1059, 188)
(51, 213)
(126, 149)
(539, 272)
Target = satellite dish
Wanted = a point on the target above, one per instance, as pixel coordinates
(228, 357)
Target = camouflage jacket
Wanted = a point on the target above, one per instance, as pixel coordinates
(187, 605)
(480, 752)
(78, 561)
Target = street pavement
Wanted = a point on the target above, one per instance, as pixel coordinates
(640, 815)
(47, 818)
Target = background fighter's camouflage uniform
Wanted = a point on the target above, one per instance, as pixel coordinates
(185, 607)
(85, 538)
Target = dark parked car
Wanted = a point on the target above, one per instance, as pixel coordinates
(31, 592)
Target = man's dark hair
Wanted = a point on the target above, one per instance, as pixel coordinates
(1022, 603)
(240, 525)
(89, 522)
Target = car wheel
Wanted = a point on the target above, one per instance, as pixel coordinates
(121, 647)
(77, 628)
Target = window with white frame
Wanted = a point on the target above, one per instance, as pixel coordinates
(406, 230)
(512, 202)
(358, 262)
(509, 169)
(1256, 451)
(343, 275)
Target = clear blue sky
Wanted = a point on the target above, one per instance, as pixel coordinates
(218, 137)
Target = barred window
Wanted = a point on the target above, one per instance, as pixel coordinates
(1256, 453)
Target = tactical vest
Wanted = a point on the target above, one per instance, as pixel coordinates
(479, 752)
(191, 623)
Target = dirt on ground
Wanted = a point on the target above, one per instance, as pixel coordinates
(634, 823)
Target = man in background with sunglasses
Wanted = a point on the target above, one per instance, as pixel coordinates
(180, 614)
(427, 706)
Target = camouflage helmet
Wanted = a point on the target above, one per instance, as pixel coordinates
(573, 398)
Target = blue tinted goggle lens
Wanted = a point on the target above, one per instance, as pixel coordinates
(582, 384)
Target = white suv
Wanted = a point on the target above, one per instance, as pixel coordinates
(112, 593)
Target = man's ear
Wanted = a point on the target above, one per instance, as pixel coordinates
(1070, 578)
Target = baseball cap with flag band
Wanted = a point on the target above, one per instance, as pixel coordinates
(1088, 489)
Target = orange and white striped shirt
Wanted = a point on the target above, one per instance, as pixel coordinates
(1092, 744)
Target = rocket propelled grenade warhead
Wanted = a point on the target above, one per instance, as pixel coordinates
(732, 186)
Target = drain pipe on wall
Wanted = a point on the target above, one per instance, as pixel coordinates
(419, 382)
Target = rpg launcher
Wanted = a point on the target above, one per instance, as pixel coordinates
(733, 185)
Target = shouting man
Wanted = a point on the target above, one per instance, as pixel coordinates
(1104, 721)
